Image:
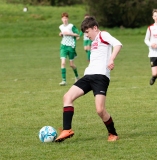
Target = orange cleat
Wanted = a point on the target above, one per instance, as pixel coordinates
(64, 135)
(112, 137)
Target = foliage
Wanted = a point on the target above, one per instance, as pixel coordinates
(65, 2)
(45, 2)
(42, 21)
(124, 13)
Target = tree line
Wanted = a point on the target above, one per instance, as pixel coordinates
(109, 13)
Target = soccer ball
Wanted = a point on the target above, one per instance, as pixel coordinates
(47, 134)
(25, 9)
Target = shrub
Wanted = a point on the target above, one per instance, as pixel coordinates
(129, 14)
(46, 2)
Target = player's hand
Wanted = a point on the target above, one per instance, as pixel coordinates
(60, 34)
(77, 38)
(111, 65)
(154, 45)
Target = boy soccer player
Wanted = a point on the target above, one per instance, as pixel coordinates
(86, 42)
(68, 44)
(96, 78)
(151, 42)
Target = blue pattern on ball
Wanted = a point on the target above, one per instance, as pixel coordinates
(47, 134)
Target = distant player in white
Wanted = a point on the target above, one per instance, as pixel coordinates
(151, 42)
(104, 50)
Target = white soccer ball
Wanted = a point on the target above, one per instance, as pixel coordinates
(47, 134)
(25, 9)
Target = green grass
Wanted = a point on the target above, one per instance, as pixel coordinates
(31, 98)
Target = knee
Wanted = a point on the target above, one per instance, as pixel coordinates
(63, 64)
(99, 111)
(72, 66)
(67, 98)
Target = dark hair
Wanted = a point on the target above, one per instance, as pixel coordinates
(89, 22)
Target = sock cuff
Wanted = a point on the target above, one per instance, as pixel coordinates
(109, 121)
(68, 109)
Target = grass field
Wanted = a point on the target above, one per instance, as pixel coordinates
(31, 98)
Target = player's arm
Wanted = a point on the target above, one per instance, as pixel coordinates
(70, 34)
(75, 31)
(147, 38)
(81, 34)
(60, 34)
(116, 50)
(116, 44)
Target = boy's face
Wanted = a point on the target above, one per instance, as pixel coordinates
(65, 20)
(91, 33)
(155, 17)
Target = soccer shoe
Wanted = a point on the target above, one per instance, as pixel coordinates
(152, 81)
(76, 79)
(64, 135)
(112, 137)
(63, 83)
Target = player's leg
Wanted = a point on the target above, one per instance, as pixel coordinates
(153, 61)
(100, 86)
(63, 72)
(68, 112)
(105, 116)
(63, 55)
(72, 55)
(80, 88)
(74, 68)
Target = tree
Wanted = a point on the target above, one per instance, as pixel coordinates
(130, 14)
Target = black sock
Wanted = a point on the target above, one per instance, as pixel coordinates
(154, 77)
(68, 112)
(110, 126)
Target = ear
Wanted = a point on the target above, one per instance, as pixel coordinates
(95, 28)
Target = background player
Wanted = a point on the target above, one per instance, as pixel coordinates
(68, 47)
(86, 42)
(151, 42)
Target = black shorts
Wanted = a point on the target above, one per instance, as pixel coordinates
(97, 83)
(153, 61)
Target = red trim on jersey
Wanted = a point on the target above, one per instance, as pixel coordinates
(150, 29)
(69, 108)
(102, 39)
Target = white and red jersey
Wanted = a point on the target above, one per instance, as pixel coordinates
(150, 38)
(101, 50)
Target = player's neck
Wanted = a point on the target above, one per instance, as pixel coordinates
(65, 24)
